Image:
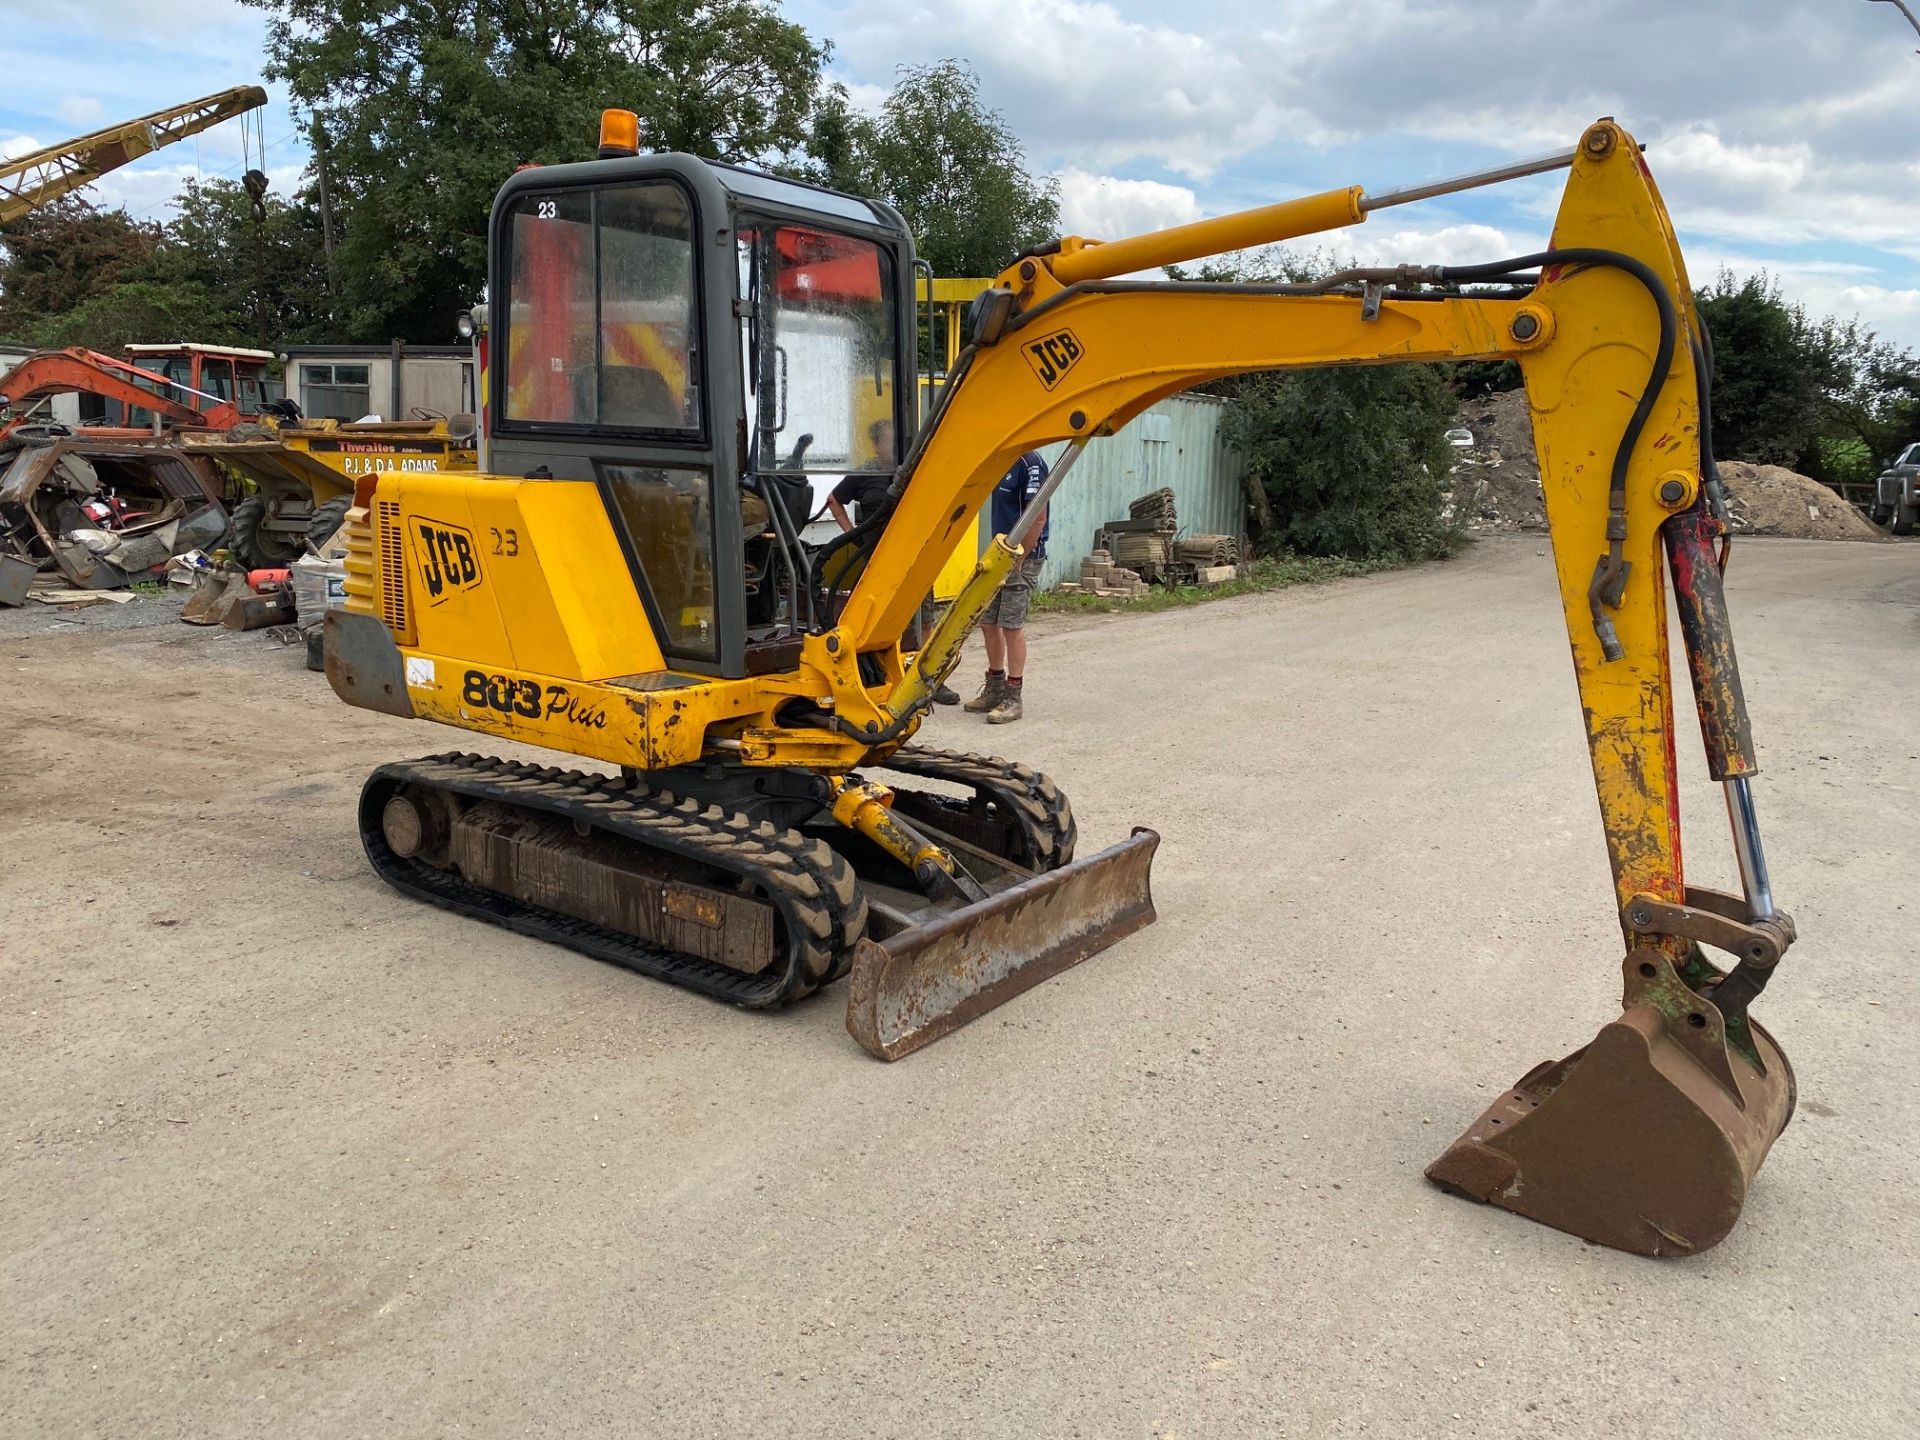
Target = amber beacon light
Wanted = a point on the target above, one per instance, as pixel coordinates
(619, 134)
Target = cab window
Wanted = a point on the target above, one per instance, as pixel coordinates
(216, 378)
(601, 322)
(819, 351)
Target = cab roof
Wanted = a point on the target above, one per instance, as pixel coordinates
(185, 348)
(755, 188)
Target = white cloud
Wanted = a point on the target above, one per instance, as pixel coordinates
(1106, 207)
(1105, 89)
(1788, 124)
(83, 112)
(1467, 244)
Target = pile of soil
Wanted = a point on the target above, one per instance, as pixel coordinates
(1772, 500)
(1496, 484)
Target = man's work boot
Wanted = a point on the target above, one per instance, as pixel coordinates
(991, 694)
(946, 695)
(1008, 710)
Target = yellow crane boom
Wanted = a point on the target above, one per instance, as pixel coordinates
(30, 181)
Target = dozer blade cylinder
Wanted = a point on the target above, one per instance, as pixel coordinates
(913, 987)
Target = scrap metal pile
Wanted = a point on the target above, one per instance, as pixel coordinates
(95, 514)
(85, 518)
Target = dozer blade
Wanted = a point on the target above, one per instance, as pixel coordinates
(913, 987)
(1646, 1140)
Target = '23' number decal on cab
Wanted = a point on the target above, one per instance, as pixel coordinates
(525, 698)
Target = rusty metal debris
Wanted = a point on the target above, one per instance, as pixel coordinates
(99, 513)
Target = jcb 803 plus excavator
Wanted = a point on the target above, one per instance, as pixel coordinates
(676, 344)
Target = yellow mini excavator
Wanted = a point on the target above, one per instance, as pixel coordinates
(675, 346)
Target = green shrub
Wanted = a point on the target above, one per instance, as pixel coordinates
(1349, 461)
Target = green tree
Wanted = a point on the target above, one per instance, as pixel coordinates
(1823, 396)
(101, 280)
(60, 256)
(271, 268)
(947, 162)
(429, 105)
(1346, 460)
(139, 312)
(1878, 415)
(1773, 371)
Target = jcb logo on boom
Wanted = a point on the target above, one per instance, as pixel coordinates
(449, 559)
(1053, 355)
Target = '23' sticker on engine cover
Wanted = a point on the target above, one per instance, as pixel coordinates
(1051, 356)
(448, 557)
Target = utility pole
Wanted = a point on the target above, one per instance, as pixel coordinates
(326, 209)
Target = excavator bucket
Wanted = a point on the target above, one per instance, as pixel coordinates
(1646, 1140)
(912, 987)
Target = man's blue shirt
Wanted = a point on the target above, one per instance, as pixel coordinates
(1013, 494)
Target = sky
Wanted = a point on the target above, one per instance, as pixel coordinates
(1785, 134)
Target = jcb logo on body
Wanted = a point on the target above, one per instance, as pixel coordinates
(1053, 355)
(449, 559)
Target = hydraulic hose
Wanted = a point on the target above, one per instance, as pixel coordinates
(1609, 582)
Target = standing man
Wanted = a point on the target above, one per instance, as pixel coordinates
(864, 490)
(1004, 626)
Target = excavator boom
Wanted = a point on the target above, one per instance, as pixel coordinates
(58, 372)
(627, 583)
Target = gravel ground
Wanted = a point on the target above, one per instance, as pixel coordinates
(286, 1154)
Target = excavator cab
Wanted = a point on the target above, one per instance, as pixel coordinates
(705, 345)
(229, 384)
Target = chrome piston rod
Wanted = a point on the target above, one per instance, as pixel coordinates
(1747, 849)
(1472, 180)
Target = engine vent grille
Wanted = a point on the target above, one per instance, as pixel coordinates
(393, 569)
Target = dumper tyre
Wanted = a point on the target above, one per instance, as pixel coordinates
(251, 546)
(327, 519)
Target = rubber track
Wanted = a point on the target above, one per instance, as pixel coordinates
(814, 889)
(1031, 798)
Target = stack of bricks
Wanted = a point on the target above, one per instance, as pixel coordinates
(1100, 576)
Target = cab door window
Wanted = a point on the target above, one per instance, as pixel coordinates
(818, 343)
(216, 378)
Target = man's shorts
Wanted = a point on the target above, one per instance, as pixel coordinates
(1008, 608)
